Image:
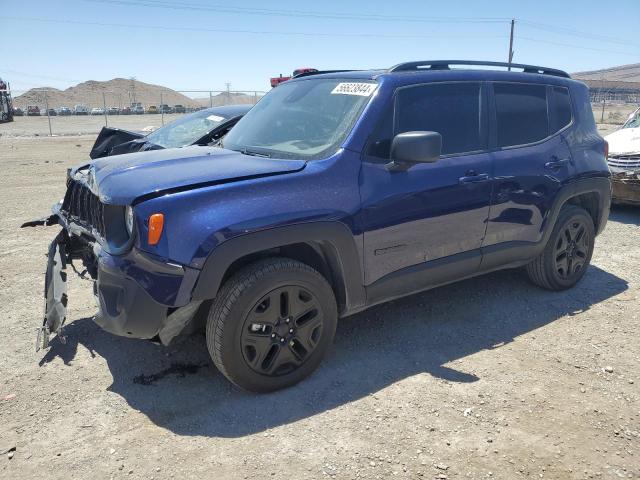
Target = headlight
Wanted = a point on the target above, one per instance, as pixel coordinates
(128, 219)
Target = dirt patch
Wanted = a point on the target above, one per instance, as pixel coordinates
(488, 378)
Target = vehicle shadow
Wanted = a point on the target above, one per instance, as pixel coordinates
(179, 389)
(626, 214)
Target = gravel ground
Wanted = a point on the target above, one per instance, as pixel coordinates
(488, 378)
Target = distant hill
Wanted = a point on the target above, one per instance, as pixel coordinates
(118, 92)
(622, 73)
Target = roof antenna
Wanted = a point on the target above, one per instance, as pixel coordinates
(513, 22)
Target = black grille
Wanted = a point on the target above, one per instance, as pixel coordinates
(83, 207)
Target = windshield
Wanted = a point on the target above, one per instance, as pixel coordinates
(186, 130)
(306, 119)
(634, 120)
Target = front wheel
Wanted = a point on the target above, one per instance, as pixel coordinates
(567, 254)
(271, 324)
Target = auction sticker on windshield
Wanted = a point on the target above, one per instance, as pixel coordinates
(353, 88)
(215, 118)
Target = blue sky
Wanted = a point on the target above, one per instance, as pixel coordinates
(200, 45)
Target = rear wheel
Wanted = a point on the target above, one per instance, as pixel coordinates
(271, 324)
(568, 252)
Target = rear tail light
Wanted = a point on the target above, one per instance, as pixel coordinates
(156, 224)
(606, 150)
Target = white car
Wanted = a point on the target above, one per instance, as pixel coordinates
(624, 145)
(80, 109)
(97, 111)
(624, 160)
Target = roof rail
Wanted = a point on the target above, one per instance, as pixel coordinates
(446, 64)
(320, 72)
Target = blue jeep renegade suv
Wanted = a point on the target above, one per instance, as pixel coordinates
(337, 191)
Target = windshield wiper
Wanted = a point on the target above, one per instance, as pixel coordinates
(246, 151)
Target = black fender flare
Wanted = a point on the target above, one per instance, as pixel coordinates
(599, 185)
(335, 238)
(514, 254)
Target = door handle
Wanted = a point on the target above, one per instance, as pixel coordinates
(475, 178)
(557, 164)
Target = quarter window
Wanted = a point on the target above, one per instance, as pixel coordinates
(521, 113)
(559, 108)
(451, 109)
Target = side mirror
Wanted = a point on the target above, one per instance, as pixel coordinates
(415, 147)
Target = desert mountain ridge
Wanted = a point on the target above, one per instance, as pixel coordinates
(120, 92)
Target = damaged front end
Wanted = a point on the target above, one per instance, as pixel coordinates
(625, 179)
(62, 251)
(626, 187)
(138, 295)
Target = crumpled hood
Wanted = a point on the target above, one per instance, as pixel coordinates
(623, 141)
(124, 178)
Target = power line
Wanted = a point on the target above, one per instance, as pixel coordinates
(575, 33)
(218, 8)
(253, 32)
(45, 77)
(561, 44)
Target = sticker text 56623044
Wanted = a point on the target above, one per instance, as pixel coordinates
(354, 88)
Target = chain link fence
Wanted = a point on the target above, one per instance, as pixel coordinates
(53, 112)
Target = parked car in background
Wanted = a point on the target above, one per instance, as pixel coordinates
(624, 161)
(18, 112)
(113, 111)
(51, 112)
(97, 111)
(81, 109)
(335, 193)
(152, 109)
(179, 109)
(63, 111)
(126, 111)
(33, 111)
(137, 109)
(164, 108)
(200, 128)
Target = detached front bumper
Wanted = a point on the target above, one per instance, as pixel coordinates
(138, 295)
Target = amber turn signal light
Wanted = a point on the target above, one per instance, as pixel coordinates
(156, 223)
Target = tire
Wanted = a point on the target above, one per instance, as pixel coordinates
(568, 252)
(271, 324)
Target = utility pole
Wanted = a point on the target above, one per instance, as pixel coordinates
(132, 94)
(162, 108)
(513, 22)
(104, 107)
(603, 99)
(228, 92)
(46, 105)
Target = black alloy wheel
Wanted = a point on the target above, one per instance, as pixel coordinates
(282, 330)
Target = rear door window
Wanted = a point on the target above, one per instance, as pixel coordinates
(521, 113)
(451, 109)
